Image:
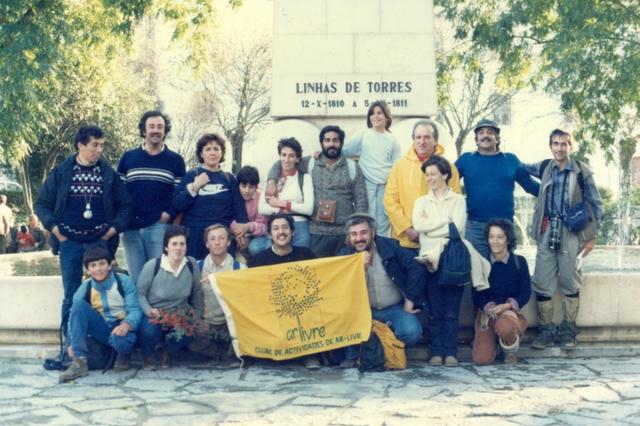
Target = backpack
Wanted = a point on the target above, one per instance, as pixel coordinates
(395, 357)
(371, 355)
(99, 356)
(454, 267)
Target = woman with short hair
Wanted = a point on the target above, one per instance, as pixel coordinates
(168, 283)
(498, 317)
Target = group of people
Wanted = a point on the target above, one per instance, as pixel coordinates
(21, 238)
(178, 227)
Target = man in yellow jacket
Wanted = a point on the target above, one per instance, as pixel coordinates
(406, 182)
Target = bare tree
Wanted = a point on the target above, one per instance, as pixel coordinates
(240, 91)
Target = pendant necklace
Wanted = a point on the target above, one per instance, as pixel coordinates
(87, 214)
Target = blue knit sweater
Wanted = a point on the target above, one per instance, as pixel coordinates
(506, 281)
(489, 181)
(150, 180)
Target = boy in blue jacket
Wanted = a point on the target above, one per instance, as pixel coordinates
(106, 308)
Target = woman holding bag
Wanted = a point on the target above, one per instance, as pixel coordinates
(432, 214)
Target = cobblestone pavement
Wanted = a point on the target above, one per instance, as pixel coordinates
(585, 391)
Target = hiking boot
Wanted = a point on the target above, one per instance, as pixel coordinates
(567, 335)
(149, 363)
(312, 363)
(347, 363)
(451, 361)
(122, 362)
(230, 359)
(435, 361)
(510, 351)
(546, 336)
(546, 328)
(78, 368)
(165, 359)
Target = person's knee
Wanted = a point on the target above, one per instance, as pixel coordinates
(484, 357)
(409, 331)
(507, 327)
(79, 306)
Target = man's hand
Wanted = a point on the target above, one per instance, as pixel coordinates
(316, 155)
(588, 246)
(122, 329)
(201, 180)
(165, 217)
(242, 241)
(367, 258)
(412, 234)
(55, 231)
(204, 279)
(110, 233)
(153, 312)
(409, 307)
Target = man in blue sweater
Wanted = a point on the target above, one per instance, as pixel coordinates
(151, 172)
(489, 181)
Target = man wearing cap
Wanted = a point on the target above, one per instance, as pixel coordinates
(395, 281)
(406, 182)
(489, 181)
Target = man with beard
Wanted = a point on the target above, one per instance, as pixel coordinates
(395, 281)
(339, 191)
(489, 181)
(150, 172)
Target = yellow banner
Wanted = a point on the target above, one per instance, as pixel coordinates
(294, 309)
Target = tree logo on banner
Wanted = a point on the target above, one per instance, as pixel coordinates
(294, 292)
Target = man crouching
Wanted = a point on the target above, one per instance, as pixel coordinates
(104, 307)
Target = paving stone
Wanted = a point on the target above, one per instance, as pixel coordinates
(532, 420)
(303, 415)
(87, 392)
(626, 390)
(88, 406)
(49, 416)
(204, 419)
(170, 407)
(154, 384)
(250, 402)
(15, 392)
(122, 417)
(321, 402)
(597, 393)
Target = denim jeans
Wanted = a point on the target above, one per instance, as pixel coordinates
(406, 326)
(474, 233)
(444, 312)
(153, 336)
(71, 253)
(85, 321)
(258, 244)
(141, 245)
(375, 196)
(301, 236)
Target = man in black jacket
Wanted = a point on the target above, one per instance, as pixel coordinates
(82, 202)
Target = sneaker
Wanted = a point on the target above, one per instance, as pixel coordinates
(546, 336)
(312, 363)
(149, 363)
(511, 358)
(451, 361)
(78, 368)
(435, 361)
(347, 363)
(122, 363)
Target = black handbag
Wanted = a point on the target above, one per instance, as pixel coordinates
(454, 267)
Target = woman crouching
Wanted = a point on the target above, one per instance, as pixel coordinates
(168, 285)
(498, 308)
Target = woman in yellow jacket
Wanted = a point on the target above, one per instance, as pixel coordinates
(406, 182)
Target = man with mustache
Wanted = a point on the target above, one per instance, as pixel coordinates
(281, 228)
(395, 281)
(339, 191)
(489, 181)
(150, 173)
